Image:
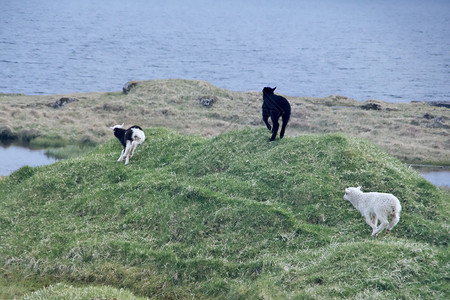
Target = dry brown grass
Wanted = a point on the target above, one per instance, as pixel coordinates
(400, 129)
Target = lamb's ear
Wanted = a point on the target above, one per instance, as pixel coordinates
(359, 188)
(122, 125)
(273, 90)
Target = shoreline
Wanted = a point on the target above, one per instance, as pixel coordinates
(438, 103)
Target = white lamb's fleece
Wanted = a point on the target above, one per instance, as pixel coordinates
(375, 206)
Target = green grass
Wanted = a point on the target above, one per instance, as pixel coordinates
(48, 142)
(229, 217)
(68, 151)
(68, 292)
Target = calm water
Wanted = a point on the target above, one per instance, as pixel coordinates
(15, 157)
(437, 176)
(390, 50)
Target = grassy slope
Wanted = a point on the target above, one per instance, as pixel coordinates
(400, 129)
(232, 216)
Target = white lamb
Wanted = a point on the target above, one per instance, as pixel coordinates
(375, 206)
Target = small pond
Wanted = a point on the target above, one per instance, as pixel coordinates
(15, 157)
(439, 176)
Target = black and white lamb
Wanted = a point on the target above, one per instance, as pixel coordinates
(129, 138)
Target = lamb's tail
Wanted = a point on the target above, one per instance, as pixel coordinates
(139, 136)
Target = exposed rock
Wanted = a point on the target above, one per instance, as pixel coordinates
(207, 100)
(337, 97)
(63, 101)
(371, 106)
(445, 104)
(128, 86)
(336, 100)
(439, 122)
(7, 133)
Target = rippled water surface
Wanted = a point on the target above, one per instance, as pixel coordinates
(389, 50)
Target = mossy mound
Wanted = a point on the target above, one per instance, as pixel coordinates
(233, 216)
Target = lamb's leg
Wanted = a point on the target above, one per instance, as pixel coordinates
(369, 222)
(133, 147)
(394, 221)
(266, 121)
(384, 223)
(283, 127)
(375, 220)
(275, 127)
(127, 153)
(121, 155)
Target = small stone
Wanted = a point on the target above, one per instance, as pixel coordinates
(439, 122)
(7, 133)
(128, 86)
(207, 100)
(63, 101)
(445, 104)
(371, 106)
(428, 116)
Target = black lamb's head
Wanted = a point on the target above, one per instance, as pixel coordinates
(268, 90)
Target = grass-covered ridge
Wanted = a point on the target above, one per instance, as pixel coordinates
(232, 216)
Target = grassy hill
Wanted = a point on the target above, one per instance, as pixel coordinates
(228, 217)
(406, 130)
